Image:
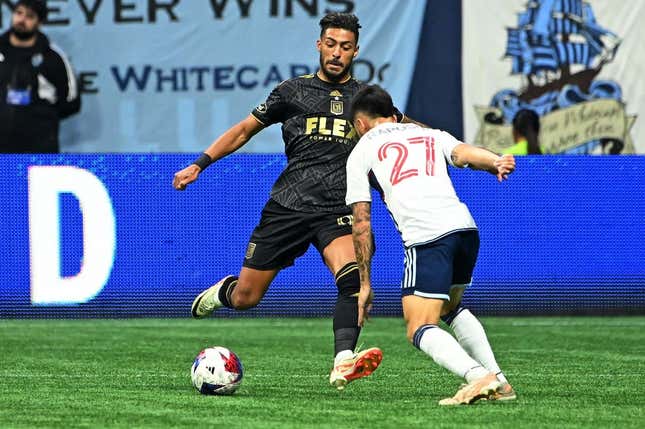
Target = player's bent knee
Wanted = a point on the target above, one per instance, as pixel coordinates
(348, 280)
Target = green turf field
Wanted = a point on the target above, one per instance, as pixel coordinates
(568, 372)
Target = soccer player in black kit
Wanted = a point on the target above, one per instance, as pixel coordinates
(307, 204)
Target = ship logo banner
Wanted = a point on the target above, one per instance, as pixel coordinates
(561, 68)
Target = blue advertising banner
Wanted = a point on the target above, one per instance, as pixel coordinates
(107, 236)
(171, 76)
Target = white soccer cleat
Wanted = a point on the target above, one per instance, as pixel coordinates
(359, 365)
(482, 388)
(208, 301)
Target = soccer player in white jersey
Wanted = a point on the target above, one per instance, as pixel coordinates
(409, 165)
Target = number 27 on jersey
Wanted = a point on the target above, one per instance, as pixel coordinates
(400, 171)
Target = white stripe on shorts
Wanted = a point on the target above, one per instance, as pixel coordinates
(432, 295)
(410, 272)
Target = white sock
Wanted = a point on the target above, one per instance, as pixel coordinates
(343, 354)
(446, 351)
(472, 337)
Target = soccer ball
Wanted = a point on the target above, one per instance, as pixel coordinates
(217, 371)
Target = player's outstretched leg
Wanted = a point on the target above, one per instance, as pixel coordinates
(355, 366)
(472, 337)
(213, 298)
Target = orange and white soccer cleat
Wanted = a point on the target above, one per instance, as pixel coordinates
(361, 364)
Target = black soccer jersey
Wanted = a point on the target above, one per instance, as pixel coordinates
(318, 136)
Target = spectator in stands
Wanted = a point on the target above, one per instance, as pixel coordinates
(37, 85)
(526, 130)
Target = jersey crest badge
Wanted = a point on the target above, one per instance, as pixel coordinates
(336, 107)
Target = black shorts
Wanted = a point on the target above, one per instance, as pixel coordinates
(284, 235)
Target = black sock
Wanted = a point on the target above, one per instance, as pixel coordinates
(226, 290)
(345, 339)
(346, 329)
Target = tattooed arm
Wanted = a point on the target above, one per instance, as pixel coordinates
(364, 248)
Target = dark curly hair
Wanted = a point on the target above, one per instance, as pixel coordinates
(372, 101)
(346, 21)
(38, 6)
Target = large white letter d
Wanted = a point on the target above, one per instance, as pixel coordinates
(99, 238)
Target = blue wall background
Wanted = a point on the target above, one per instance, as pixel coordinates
(565, 235)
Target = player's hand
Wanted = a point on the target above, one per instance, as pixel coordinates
(365, 298)
(505, 165)
(185, 177)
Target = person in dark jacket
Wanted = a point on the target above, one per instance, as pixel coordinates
(37, 85)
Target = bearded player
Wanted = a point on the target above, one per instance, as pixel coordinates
(307, 203)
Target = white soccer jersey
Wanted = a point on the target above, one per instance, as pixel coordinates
(409, 164)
